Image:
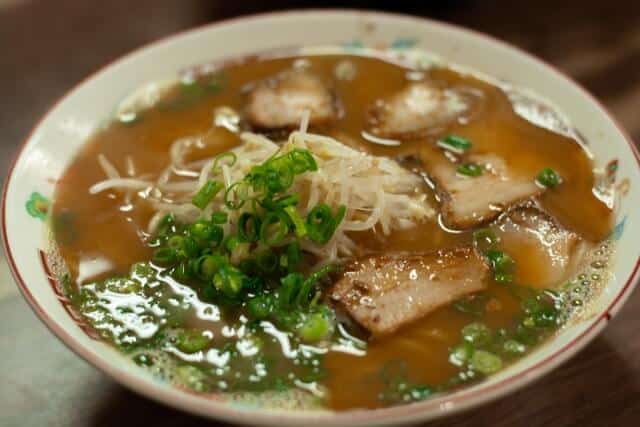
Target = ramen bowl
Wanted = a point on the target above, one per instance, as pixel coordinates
(62, 132)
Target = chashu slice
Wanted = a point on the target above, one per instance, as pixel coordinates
(415, 110)
(281, 101)
(546, 254)
(383, 293)
(470, 201)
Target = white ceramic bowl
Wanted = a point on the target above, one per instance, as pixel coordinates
(55, 140)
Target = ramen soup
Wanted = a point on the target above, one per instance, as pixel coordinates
(331, 231)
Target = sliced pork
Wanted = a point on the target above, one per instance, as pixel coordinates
(546, 254)
(468, 201)
(280, 102)
(383, 293)
(418, 108)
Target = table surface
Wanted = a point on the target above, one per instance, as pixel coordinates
(46, 47)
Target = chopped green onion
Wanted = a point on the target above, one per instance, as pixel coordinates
(419, 392)
(219, 218)
(304, 293)
(205, 195)
(260, 307)
(215, 238)
(469, 169)
(191, 88)
(267, 260)
(190, 247)
(228, 280)
(181, 272)
(231, 242)
(485, 362)
(164, 256)
(122, 285)
(210, 264)
(503, 277)
(502, 265)
(461, 354)
(455, 143)
(206, 233)
(274, 228)
(290, 200)
(278, 180)
(290, 286)
(302, 161)
(476, 333)
(253, 284)
(249, 227)
(473, 305)
(166, 226)
(143, 360)
(545, 317)
(296, 219)
(240, 252)
(485, 239)
(337, 219)
(513, 347)
(200, 230)
(277, 173)
(547, 177)
(316, 327)
(321, 273)
(192, 341)
(321, 224)
(236, 195)
(232, 156)
(500, 260)
(291, 257)
(176, 243)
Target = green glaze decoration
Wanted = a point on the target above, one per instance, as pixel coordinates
(38, 206)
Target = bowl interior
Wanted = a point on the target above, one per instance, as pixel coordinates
(56, 139)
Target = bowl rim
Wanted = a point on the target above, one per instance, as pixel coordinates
(448, 404)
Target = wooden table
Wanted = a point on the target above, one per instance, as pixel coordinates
(47, 46)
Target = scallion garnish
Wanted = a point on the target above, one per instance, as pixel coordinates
(455, 143)
(175, 243)
(249, 227)
(315, 327)
(321, 224)
(236, 195)
(219, 218)
(291, 256)
(502, 265)
(267, 261)
(485, 362)
(298, 223)
(205, 195)
(290, 200)
(164, 255)
(485, 239)
(228, 280)
(231, 156)
(209, 264)
(302, 161)
(548, 177)
(469, 169)
(274, 228)
(256, 264)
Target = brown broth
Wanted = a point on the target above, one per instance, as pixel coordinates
(106, 230)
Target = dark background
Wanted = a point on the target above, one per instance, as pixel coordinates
(46, 47)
